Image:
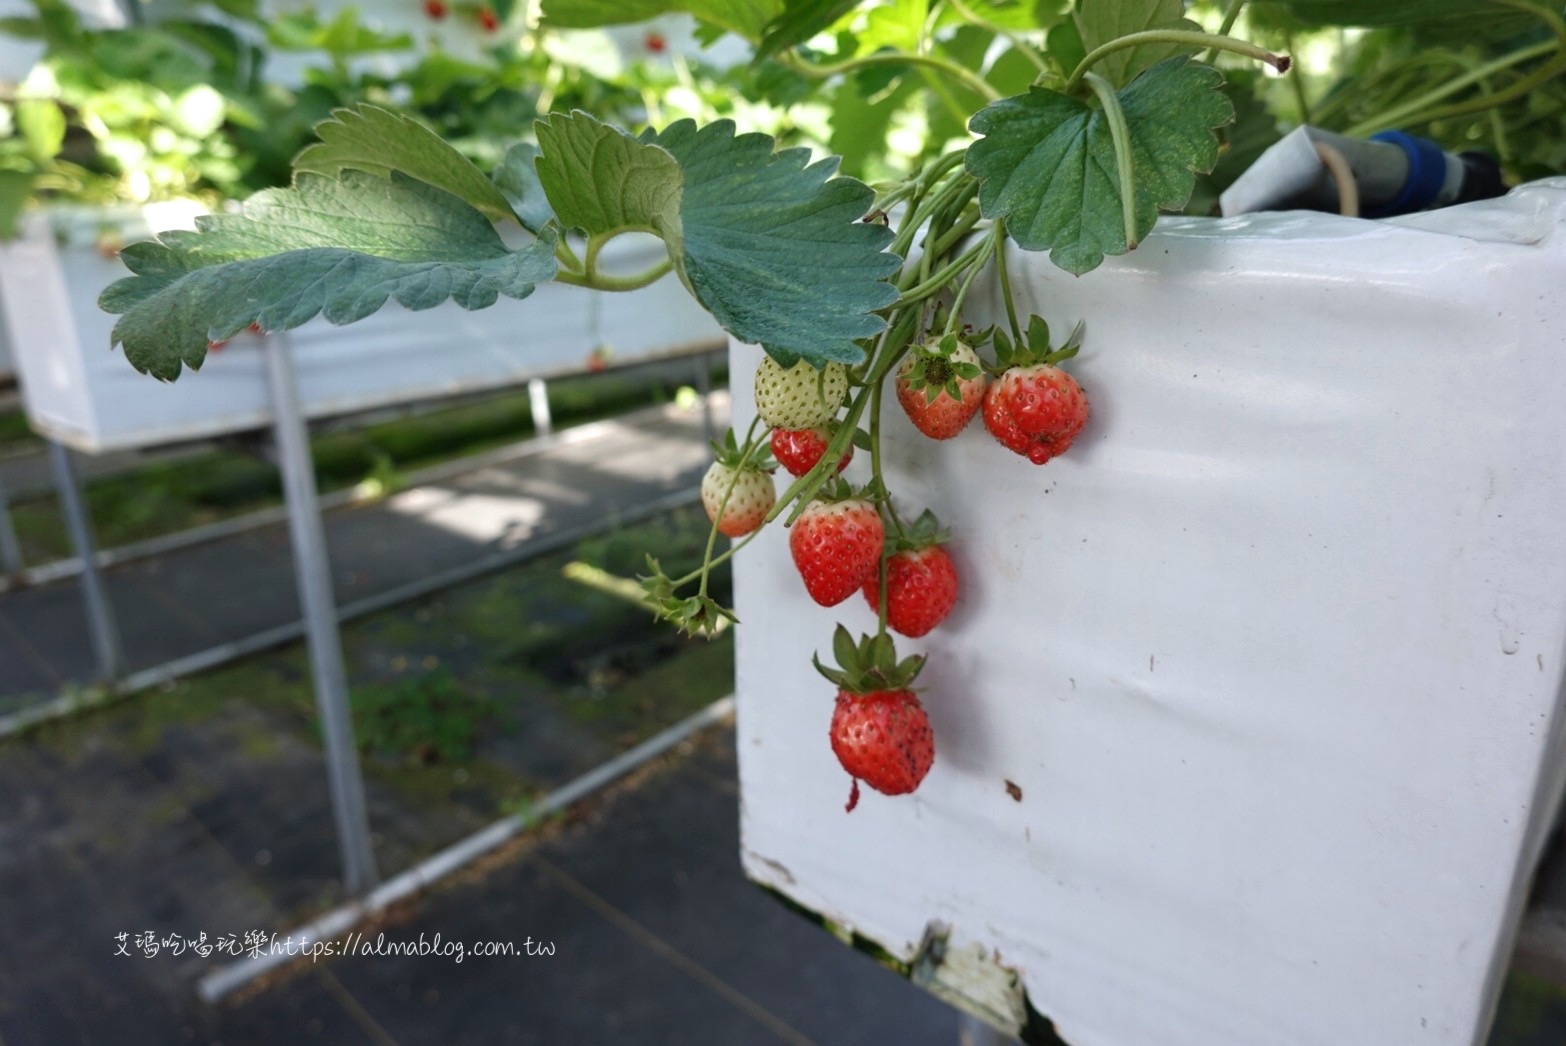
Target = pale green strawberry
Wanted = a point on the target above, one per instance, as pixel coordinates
(800, 397)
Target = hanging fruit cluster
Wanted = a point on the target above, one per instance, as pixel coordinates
(848, 541)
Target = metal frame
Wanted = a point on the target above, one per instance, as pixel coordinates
(100, 612)
(313, 571)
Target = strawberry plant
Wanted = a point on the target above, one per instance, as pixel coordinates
(1047, 129)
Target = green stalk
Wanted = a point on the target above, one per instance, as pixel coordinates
(962, 291)
(1186, 37)
(1120, 134)
(1417, 110)
(602, 282)
(1005, 282)
(875, 453)
(933, 285)
(966, 77)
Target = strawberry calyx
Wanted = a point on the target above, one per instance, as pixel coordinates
(934, 368)
(1035, 347)
(869, 665)
(727, 451)
(693, 615)
(920, 534)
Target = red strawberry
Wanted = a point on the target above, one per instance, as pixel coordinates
(655, 43)
(921, 582)
(837, 545)
(435, 9)
(488, 19)
(880, 732)
(737, 493)
(798, 450)
(1035, 409)
(940, 385)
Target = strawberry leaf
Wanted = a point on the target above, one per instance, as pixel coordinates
(338, 248)
(601, 180)
(1098, 23)
(1047, 163)
(517, 179)
(768, 242)
(748, 18)
(371, 139)
(799, 21)
(774, 247)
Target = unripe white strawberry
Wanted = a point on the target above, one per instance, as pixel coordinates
(800, 397)
(748, 503)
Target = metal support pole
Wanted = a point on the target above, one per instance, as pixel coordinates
(538, 402)
(11, 564)
(100, 613)
(704, 390)
(313, 569)
(973, 1032)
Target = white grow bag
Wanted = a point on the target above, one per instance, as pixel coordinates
(77, 391)
(1274, 654)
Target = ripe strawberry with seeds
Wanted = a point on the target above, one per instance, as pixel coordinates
(799, 397)
(737, 493)
(836, 544)
(940, 385)
(488, 20)
(435, 9)
(1035, 409)
(921, 580)
(880, 732)
(798, 450)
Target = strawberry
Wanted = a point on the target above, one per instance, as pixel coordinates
(488, 20)
(921, 581)
(655, 43)
(940, 385)
(435, 9)
(836, 543)
(736, 493)
(798, 450)
(800, 397)
(880, 732)
(1035, 409)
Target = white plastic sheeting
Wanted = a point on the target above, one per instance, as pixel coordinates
(76, 390)
(1274, 655)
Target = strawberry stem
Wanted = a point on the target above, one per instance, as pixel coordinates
(1005, 282)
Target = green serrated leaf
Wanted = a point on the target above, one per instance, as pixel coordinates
(861, 120)
(799, 21)
(1047, 163)
(769, 243)
(371, 139)
(1065, 47)
(1100, 21)
(42, 125)
(517, 179)
(895, 25)
(774, 247)
(601, 180)
(748, 18)
(338, 248)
